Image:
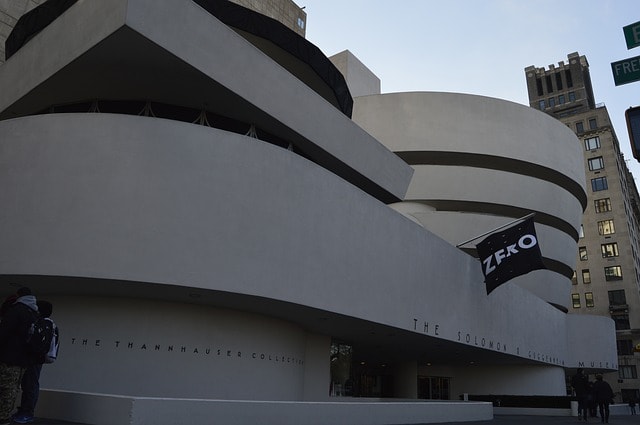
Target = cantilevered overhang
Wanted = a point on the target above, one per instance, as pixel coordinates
(289, 49)
(177, 53)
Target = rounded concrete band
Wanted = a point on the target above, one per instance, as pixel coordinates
(452, 123)
(138, 199)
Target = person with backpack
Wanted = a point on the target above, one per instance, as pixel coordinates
(14, 353)
(44, 346)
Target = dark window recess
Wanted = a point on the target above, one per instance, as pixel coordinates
(539, 86)
(617, 297)
(568, 79)
(549, 85)
(559, 81)
(621, 321)
(625, 347)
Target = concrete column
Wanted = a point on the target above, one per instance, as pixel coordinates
(317, 373)
(406, 380)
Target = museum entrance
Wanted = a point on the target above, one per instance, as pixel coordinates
(353, 378)
(433, 387)
(372, 381)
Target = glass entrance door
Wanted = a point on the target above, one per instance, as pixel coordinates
(433, 387)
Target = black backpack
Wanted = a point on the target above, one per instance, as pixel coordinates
(41, 333)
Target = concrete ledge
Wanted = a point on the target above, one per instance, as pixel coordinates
(530, 411)
(614, 410)
(620, 410)
(95, 409)
(105, 409)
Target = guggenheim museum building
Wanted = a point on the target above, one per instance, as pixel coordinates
(226, 232)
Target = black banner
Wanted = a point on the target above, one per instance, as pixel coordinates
(510, 253)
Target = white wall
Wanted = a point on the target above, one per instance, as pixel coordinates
(317, 374)
(149, 348)
(360, 80)
(151, 200)
(136, 199)
(512, 380)
(480, 163)
(181, 29)
(455, 122)
(581, 351)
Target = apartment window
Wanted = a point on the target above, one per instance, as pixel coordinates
(613, 273)
(568, 79)
(541, 104)
(572, 96)
(598, 184)
(627, 372)
(617, 297)
(602, 205)
(593, 124)
(625, 347)
(301, 23)
(581, 232)
(574, 278)
(580, 128)
(561, 99)
(575, 299)
(586, 276)
(552, 102)
(559, 81)
(596, 163)
(592, 142)
(583, 253)
(621, 321)
(605, 227)
(609, 250)
(547, 80)
(588, 299)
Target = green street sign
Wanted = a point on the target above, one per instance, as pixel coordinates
(633, 126)
(626, 71)
(632, 35)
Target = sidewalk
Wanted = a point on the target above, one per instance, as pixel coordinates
(497, 420)
(550, 420)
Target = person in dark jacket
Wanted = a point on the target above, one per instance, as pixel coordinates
(592, 404)
(31, 378)
(14, 354)
(603, 394)
(580, 385)
(8, 302)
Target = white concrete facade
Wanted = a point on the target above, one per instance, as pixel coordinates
(480, 163)
(197, 269)
(361, 80)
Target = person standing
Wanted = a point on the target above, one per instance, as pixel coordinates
(592, 404)
(604, 396)
(14, 355)
(580, 386)
(31, 378)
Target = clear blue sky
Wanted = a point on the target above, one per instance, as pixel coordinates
(481, 47)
